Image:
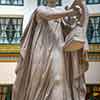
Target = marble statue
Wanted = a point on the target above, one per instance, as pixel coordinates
(44, 70)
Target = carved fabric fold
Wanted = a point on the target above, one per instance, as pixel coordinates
(44, 71)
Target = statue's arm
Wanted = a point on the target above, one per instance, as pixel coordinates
(82, 10)
(50, 13)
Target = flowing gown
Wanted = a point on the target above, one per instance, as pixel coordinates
(44, 71)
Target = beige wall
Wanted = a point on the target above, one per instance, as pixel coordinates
(93, 74)
(7, 73)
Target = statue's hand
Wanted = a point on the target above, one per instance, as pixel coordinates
(66, 7)
(78, 10)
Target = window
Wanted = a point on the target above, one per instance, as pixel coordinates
(44, 2)
(93, 1)
(12, 2)
(93, 31)
(10, 30)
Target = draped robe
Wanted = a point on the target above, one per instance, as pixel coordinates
(44, 71)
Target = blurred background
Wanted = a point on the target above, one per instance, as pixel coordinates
(15, 14)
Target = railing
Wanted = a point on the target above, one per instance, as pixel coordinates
(10, 35)
(44, 2)
(93, 31)
(93, 36)
(10, 30)
(12, 2)
(93, 1)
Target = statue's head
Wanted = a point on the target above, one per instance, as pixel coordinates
(52, 1)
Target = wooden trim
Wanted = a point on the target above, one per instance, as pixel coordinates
(8, 61)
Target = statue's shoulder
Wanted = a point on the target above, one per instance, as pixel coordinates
(42, 7)
(60, 8)
(37, 9)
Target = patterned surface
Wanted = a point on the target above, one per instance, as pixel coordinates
(5, 92)
(94, 57)
(93, 31)
(10, 34)
(93, 36)
(93, 1)
(10, 30)
(44, 2)
(12, 2)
